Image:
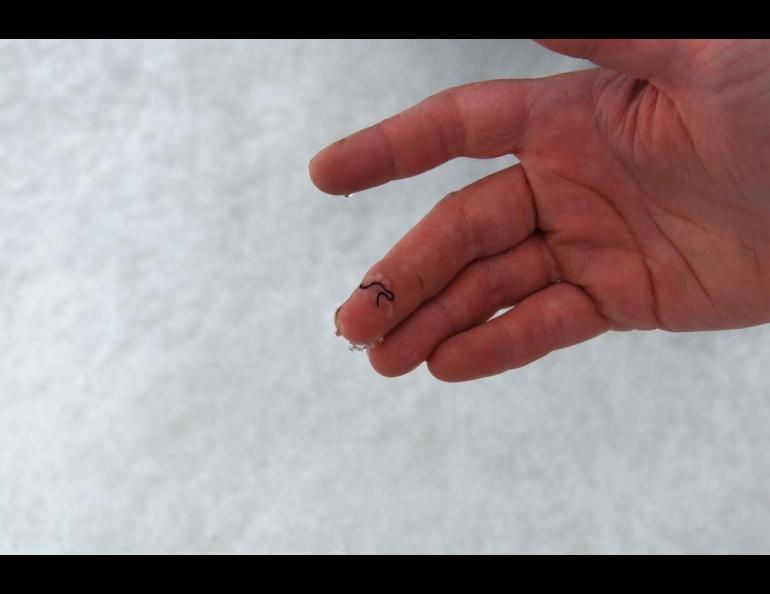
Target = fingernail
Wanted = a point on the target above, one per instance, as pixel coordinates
(337, 322)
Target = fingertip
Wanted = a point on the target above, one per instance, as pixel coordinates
(342, 167)
(383, 365)
(332, 170)
(355, 324)
(467, 356)
(443, 365)
(352, 164)
(389, 360)
(318, 169)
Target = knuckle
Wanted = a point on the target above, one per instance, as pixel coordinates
(464, 227)
(505, 345)
(551, 325)
(445, 311)
(446, 119)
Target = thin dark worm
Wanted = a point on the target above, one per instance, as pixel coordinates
(387, 293)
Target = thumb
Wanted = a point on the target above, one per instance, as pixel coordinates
(657, 60)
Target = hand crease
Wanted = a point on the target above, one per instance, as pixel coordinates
(389, 149)
(655, 303)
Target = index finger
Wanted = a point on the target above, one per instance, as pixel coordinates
(477, 120)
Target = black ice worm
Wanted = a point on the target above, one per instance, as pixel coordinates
(387, 293)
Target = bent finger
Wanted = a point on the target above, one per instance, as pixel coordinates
(482, 219)
(482, 289)
(558, 316)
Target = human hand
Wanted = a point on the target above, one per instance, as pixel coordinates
(641, 201)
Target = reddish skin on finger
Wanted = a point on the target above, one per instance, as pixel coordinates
(653, 197)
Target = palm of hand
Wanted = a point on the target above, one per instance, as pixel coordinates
(639, 210)
(648, 201)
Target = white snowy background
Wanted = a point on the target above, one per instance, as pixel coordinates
(169, 376)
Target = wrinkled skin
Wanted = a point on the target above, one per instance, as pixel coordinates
(641, 201)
